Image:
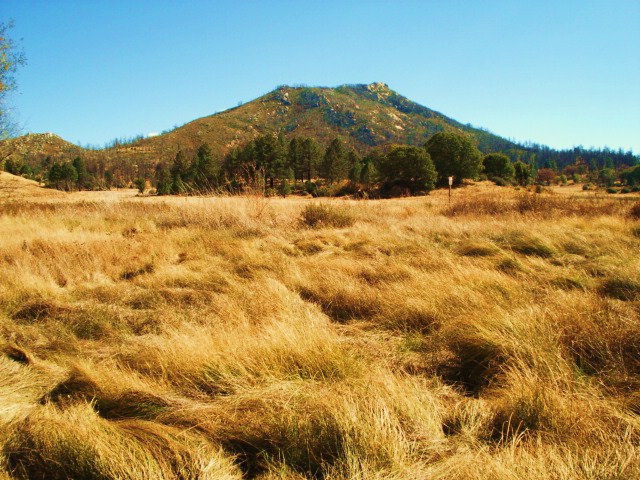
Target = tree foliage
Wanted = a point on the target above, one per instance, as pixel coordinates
(498, 165)
(11, 57)
(546, 176)
(522, 173)
(454, 155)
(407, 168)
(631, 176)
(335, 164)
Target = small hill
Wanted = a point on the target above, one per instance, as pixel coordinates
(38, 145)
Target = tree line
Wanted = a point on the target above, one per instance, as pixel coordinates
(273, 164)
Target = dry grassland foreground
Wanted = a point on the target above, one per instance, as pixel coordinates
(244, 337)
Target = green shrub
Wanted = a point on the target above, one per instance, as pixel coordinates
(140, 184)
(499, 181)
(311, 188)
(320, 215)
(322, 192)
(611, 190)
(284, 188)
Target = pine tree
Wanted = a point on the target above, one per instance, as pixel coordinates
(84, 179)
(335, 164)
(369, 172)
(68, 176)
(55, 175)
(356, 166)
(311, 154)
(164, 181)
(206, 171)
(295, 158)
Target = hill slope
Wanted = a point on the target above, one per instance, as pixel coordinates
(38, 145)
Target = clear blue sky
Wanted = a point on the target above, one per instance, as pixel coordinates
(561, 73)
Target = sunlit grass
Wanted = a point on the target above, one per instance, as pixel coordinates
(239, 337)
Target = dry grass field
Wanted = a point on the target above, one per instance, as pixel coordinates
(243, 337)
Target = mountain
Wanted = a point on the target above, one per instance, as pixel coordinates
(364, 116)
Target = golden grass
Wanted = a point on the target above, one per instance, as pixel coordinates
(498, 337)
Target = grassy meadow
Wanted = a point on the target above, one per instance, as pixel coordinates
(241, 337)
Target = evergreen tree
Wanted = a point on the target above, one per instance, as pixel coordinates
(522, 173)
(180, 172)
(454, 154)
(84, 179)
(295, 158)
(408, 168)
(335, 164)
(164, 181)
(280, 169)
(498, 165)
(206, 171)
(179, 186)
(631, 176)
(369, 172)
(356, 166)
(264, 155)
(551, 164)
(181, 164)
(68, 176)
(311, 154)
(55, 176)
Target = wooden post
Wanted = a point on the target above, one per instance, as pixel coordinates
(450, 183)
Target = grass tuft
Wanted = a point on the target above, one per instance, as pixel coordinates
(621, 288)
(325, 216)
(527, 244)
(477, 249)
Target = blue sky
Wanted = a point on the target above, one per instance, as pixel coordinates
(560, 73)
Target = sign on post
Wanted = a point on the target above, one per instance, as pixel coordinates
(450, 183)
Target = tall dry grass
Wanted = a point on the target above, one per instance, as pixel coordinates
(498, 337)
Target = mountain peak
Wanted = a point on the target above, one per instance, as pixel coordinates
(378, 87)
